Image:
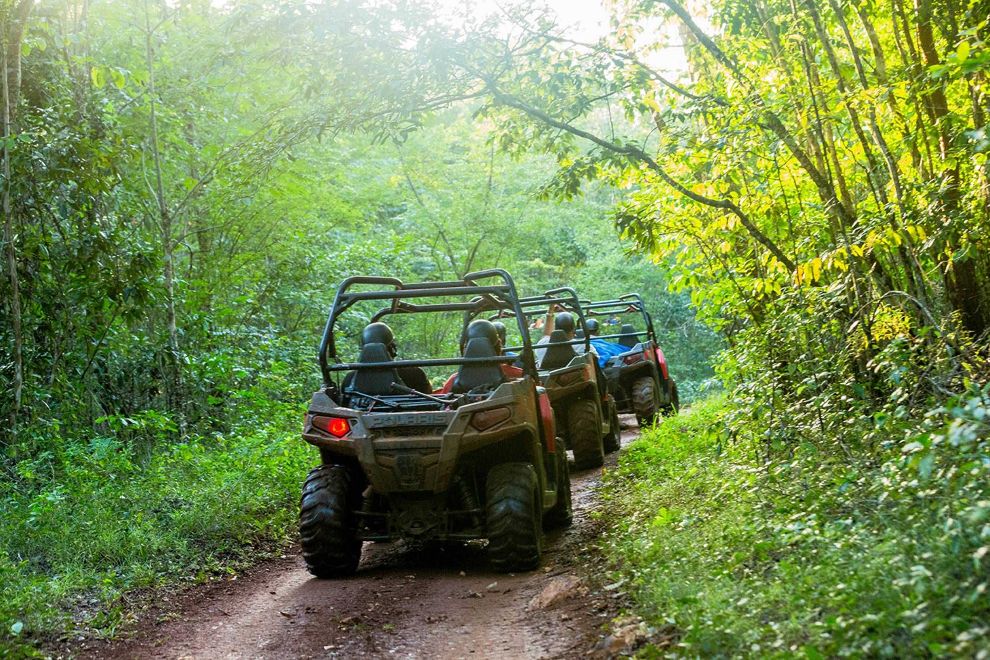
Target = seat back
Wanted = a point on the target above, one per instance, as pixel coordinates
(628, 338)
(558, 354)
(375, 381)
(470, 376)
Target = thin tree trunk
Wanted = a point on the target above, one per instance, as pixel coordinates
(9, 238)
(961, 277)
(165, 226)
(11, 36)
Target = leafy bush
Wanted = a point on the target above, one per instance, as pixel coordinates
(814, 554)
(112, 521)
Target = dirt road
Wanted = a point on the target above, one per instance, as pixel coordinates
(404, 602)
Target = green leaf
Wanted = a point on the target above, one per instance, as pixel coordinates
(98, 76)
(962, 52)
(119, 80)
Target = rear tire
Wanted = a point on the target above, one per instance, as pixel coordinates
(613, 439)
(584, 434)
(562, 513)
(645, 400)
(330, 544)
(514, 517)
(674, 406)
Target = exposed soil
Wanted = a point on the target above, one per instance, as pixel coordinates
(404, 602)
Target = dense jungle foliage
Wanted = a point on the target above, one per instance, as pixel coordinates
(800, 189)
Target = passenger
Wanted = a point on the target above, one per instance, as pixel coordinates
(477, 329)
(560, 321)
(502, 332)
(380, 333)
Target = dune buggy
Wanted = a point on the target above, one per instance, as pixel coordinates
(479, 462)
(584, 410)
(637, 374)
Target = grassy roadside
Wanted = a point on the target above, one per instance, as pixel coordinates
(811, 556)
(73, 546)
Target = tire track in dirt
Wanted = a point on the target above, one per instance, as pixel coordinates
(404, 602)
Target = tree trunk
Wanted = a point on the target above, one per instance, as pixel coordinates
(961, 278)
(10, 52)
(174, 378)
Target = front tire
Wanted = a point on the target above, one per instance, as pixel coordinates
(613, 438)
(645, 400)
(514, 517)
(584, 434)
(562, 513)
(327, 533)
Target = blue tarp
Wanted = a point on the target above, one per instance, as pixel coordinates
(606, 350)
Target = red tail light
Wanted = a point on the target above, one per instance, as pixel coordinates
(637, 357)
(338, 427)
(486, 419)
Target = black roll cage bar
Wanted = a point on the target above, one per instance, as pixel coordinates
(564, 296)
(621, 305)
(485, 297)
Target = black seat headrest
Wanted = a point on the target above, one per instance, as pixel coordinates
(628, 338)
(470, 376)
(558, 354)
(374, 380)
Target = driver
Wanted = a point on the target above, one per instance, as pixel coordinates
(604, 349)
(476, 329)
(380, 333)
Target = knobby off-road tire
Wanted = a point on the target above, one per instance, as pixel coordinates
(514, 517)
(674, 406)
(330, 544)
(584, 434)
(613, 438)
(562, 513)
(646, 401)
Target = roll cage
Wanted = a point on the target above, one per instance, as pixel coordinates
(531, 306)
(478, 297)
(629, 303)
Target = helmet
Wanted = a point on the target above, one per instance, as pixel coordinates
(501, 330)
(481, 328)
(379, 333)
(592, 326)
(564, 321)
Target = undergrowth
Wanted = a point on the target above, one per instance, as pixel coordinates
(882, 554)
(82, 529)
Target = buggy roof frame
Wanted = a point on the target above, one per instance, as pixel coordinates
(498, 295)
(564, 296)
(627, 304)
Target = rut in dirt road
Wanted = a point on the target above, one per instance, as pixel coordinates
(405, 602)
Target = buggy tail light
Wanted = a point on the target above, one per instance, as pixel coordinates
(486, 419)
(338, 427)
(633, 358)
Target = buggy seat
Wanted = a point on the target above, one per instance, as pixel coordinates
(558, 354)
(628, 338)
(471, 376)
(376, 381)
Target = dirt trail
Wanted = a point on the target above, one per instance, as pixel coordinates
(404, 602)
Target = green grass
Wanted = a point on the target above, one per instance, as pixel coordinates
(811, 556)
(73, 544)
